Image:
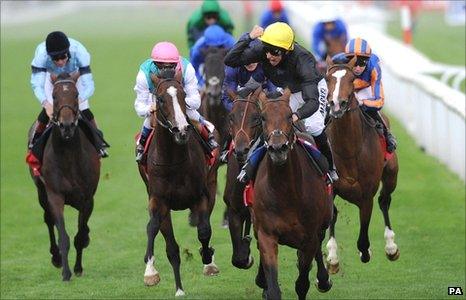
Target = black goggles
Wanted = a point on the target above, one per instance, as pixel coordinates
(273, 51)
(361, 61)
(59, 56)
(211, 15)
(164, 66)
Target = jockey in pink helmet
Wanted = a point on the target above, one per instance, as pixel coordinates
(166, 57)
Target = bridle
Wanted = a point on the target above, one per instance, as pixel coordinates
(55, 118)
(164, 122)
(241, 130)
(290, 135)
(348, 107)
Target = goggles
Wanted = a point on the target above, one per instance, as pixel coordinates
(59, 56)
(165, 66)
(211, 15)
(361, 61)
(273, 51)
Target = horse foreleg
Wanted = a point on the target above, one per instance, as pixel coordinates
(81, 240)
(324, 284)
(57, 204)
(49, 221)
(304, 266)
(157, 212)
(173, 252)
(204, 233)
(389, 179)
(241, 257)
(268, 248)
(333, 263)
(365, 212)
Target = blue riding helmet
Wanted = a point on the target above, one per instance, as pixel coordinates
(215, 36)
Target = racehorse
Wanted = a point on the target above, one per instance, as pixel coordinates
(245, 128)
(359, 157)
(177, 178)
(69, 175)
(291, 203)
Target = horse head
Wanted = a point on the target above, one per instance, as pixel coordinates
(214, 72)
(277, 126)
(65, 104)
(340, 79)
(244, 120)
(171, 105)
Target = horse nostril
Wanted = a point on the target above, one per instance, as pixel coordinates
(283, 147)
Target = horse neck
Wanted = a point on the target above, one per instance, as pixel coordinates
(279, 175)
(68, 150)
(347, 133)
(166, 147)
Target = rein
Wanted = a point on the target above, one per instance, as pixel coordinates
(54, 119)
(165, 123)
(244, 118)
(291, 135)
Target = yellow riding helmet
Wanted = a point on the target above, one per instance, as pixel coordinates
(280, 35)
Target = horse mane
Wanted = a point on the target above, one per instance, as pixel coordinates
(274, 95)
(64, 75)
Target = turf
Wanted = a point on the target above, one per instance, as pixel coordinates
(427, 211)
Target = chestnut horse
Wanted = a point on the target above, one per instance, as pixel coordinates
(359, 158)
(70, 175)
(178, 178)
(291, 206)
(245, 129)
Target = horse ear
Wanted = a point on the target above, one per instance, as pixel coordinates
(352, 62)
(257, 92)
(329, 61)
(178, 76)
(53, 78)
(232, 95)
(155, 79)
(75, 75)
(262, 99)
(286, 95)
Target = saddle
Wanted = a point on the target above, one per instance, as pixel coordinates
(379, 128)
(35, 156)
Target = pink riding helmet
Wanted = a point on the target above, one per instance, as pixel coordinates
(165, 52)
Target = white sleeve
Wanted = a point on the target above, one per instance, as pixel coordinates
(193, 98)
(143, 96)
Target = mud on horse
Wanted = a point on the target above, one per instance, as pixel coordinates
(178, 179)
(69, 175)
(359, 157)
(291, 206)
(245, 127)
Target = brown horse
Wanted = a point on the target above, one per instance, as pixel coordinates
(245, 128)
(178, 178)
(291, 206)
(70, 175)
(359, 158)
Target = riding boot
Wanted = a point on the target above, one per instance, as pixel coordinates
(39, 128)
(324, 147)
(103, 148)
(208, 136)
(389, 138)
(248, 171)
(225, 149)
(141, 143)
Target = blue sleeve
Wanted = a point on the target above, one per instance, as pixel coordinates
(317, 36)
(341, 30)
(229, 83)
(230, 42)
(270, 86)
(86, 80)
(266, 18)
(284, 17)
(39, 70)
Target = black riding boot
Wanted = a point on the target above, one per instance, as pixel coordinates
(39, 127)
(391, 140)
(324, 147)
(90, 117)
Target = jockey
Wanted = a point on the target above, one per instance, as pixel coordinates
(329, 28)
(368, 84)
(275, 13)
(214, 36)
(56, 55)
(209, 13)
(286, 64)
(164, 56)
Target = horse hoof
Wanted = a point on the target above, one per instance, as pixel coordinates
(78, 273)
(179, 293)
(333, 268)
(56, 261)
(243, 264)
(210, 269)
(152, 279)
(365, 257)
(324, 287)
(393, 257)
(66, 276)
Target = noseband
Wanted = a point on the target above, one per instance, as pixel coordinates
(55, 118)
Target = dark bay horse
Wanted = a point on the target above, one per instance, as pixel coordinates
(70, 175)
(359, 158)
(211, 106)
(245, 127)
(178, 178)
(292, 206)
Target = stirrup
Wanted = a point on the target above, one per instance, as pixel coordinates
(224, 156)
(333, 176)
